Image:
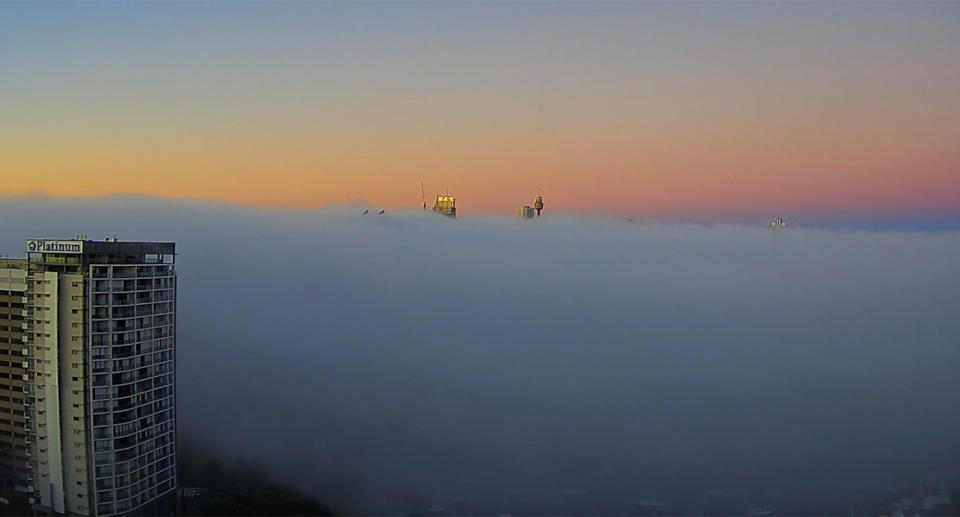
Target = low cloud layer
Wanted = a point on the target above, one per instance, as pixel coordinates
(387, 363)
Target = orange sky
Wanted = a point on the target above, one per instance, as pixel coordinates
(825, 113)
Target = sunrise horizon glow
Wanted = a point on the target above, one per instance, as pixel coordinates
(660, 110)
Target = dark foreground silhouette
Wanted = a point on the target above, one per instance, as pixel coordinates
(209, 487)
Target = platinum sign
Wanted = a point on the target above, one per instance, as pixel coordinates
(41, 246)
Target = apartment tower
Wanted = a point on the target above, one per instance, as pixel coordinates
(99, 351)
(14, 445)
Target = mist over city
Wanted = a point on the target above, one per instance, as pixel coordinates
(479, 258)
(571, 364)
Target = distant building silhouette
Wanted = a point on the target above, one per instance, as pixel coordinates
(538, 204)
(525, 212)
(446, 205)
(779, 224)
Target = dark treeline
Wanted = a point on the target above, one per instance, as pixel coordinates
(238, 488)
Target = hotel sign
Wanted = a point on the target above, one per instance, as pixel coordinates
(40, 246)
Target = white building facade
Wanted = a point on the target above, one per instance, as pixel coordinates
(101, 349)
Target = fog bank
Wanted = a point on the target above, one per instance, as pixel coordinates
(569, 364)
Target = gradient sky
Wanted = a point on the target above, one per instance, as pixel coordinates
(672, 110)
